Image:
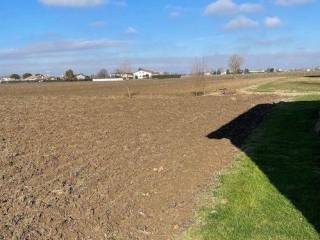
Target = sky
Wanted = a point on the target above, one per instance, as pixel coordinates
(51, 36)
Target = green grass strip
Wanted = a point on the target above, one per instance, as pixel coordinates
(273, 190)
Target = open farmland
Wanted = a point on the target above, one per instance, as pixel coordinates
(82, 161)
(149, 88)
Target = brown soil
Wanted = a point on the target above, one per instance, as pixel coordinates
(82, 164)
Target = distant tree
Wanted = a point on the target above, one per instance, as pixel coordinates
(270, 70)
(199, 69)
(123, 69)
(69, 75)
(235, 63)
(219, 71)
(15, 76)
(26, 75)
(102, 74)
(246, 71)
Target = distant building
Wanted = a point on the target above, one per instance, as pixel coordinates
(144, 74)
(6, 79)
(257, 71)
(107, 79)
(31, 78)
(81, 77)
(41, 76)
(125, 76)
(52, 78)
(35, 78)
(227, 72)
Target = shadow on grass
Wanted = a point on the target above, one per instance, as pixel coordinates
(286, 149)
(312, 76)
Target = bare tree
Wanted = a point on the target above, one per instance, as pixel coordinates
(235, 63)
(102, 74)
(125, 71)
(199, 69)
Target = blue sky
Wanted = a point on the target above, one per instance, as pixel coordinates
(50, 36)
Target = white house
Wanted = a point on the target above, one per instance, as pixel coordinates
(37, 77)
(125, 76)
(144, 74)
(7, 79)
(81, 77)
(31, 78)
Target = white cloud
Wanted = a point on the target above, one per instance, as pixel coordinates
(221, 7)
(241, 23)
(119, 3)
(73, 3)
(250, 7)
(287, 3)
(60, 47)
(131, 30)
(273, 22)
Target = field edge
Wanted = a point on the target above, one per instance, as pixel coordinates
(223, 219)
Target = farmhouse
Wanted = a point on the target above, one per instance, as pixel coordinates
(31, 78)
(127, 76)
(6, 79)
(124, 76)
(144, 74)
(81, 77)
(37, 77)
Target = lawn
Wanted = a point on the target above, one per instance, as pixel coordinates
(291, 85)
(272, 191)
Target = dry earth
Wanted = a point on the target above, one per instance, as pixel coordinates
(79, 163)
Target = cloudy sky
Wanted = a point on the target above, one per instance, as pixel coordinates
(51, 36)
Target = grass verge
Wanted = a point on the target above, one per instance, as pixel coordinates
(272, 192)
(297, 85)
